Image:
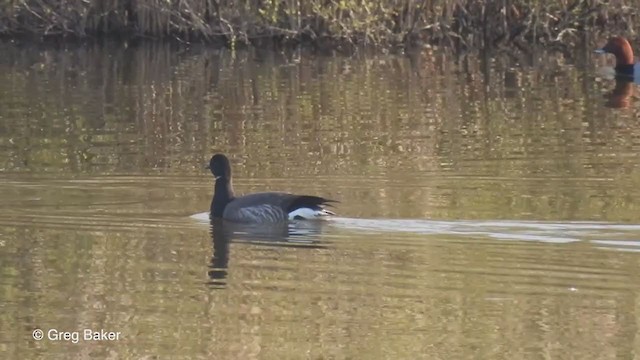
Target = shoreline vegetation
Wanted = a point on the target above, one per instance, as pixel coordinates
(326, 24)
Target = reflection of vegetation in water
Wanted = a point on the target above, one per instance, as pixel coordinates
(71, 280)
(468, 24)
(364, 295)
(396, 137)
(423, 121)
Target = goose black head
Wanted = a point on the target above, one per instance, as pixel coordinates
(219, 166)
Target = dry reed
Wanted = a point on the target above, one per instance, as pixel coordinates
(465, 24)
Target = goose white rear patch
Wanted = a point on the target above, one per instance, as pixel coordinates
(306, 213)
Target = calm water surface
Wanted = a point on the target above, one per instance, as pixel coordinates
(488, 206)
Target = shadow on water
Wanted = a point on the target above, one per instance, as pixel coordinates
(300, 234)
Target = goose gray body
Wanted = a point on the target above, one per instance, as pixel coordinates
(265, 207)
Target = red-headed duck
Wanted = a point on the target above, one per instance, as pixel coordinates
(621, 49)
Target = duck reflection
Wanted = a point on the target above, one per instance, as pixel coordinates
(304, 234)
(621, 96)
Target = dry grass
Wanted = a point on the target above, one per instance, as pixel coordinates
(464, 24)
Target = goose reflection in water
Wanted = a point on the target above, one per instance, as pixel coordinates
(300, 234)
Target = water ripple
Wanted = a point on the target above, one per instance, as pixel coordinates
(621, 236)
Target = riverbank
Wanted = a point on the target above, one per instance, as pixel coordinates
(462, 25)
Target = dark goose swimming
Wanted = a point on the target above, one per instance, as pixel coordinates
(264, 207)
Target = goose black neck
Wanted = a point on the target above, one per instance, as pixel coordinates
(222, 195)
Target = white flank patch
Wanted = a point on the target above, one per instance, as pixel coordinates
(307, 213)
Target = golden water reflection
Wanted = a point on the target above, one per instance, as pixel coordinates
(488, 208)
